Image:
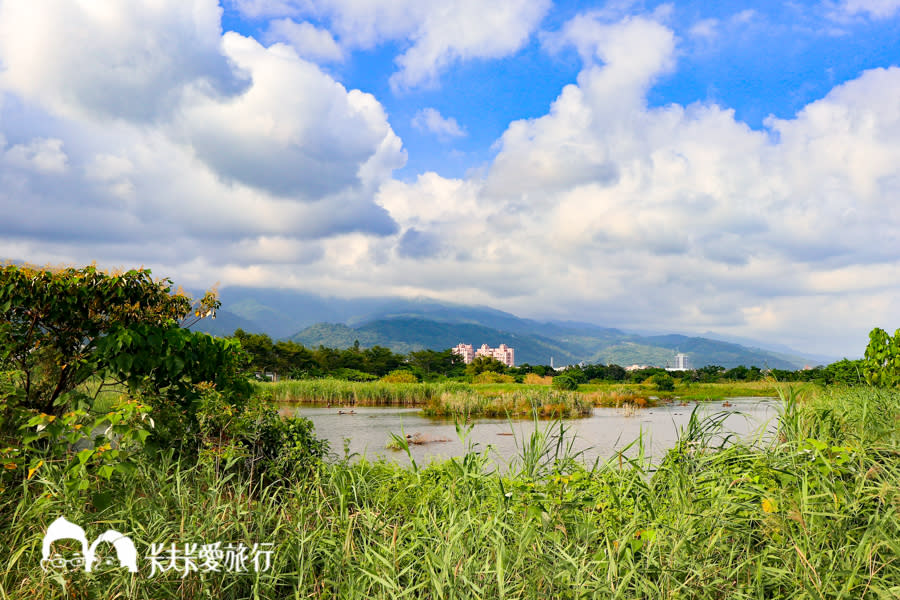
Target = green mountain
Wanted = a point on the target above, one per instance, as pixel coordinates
(405, 324)
(405, 334)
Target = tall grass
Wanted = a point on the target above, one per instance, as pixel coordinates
(544, 403)
(372, 393)
(811, 513)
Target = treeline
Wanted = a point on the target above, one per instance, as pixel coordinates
(290, 360)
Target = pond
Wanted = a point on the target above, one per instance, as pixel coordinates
(599, 436)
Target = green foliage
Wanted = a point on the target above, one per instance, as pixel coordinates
(278, 447)
(881, 365)
(352, 375)
(480, 364)
(809, 513)
(663, 382)
(52, 322)
(564, 382)
(492, 377)
(400, 376)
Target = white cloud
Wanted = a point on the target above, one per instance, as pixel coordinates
(647, 217)
(439, 33)
(705, 28)
(309, 41)
(119, 59)
(429, 119)
(463, 30)
(876, 9)
(188, 176)
(42, 155)
(604, 209)
(294, 131)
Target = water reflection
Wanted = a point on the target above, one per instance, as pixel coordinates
(598, 437)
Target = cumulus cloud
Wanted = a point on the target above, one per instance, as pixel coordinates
(294, 131)
(309, 41)
(119, 59)
(876, 9)
(463, 30)
(652, 216)
(430, 120)
(150, 159)
(42, 155)
(250, 165)
(438, 34)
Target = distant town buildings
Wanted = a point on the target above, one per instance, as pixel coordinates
(681, 363)
(466, 351)
(504, 353)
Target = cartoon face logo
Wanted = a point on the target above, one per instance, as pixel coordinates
(61, 529)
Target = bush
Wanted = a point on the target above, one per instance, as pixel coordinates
(564, 382)
(535, 379)
(663, 382)
(400, 376)
(491, 377)
(258, 437)
(352, 375)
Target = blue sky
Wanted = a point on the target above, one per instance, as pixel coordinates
(761, 58)
(680, 166)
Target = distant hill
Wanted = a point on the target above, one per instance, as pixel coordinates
(405, 335)
(405, 324)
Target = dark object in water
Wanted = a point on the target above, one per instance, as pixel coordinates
(418, 439)
(346, 412)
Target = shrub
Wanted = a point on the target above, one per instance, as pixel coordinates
(564, 382)
(663, 382)
(535, 379)
(352, 375)
(881, 365)
(400, 376)
(491, 377)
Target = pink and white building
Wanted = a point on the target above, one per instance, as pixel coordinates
(504, 353)
(466, 351)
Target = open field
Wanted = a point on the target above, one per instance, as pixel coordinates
(813, 514)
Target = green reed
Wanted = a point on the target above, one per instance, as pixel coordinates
(809, 513)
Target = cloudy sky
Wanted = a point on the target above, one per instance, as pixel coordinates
(684, 166)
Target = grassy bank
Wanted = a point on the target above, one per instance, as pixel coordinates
(546, 403)
(813, 514)
(372, 393)
(503, 399)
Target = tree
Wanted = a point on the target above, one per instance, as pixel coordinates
(485, 363)
(565, 382)
(881, 364)
(61, 327)
(380, 360)
(663, 382)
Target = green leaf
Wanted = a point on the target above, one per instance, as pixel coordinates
(102, 500)
(85, 455)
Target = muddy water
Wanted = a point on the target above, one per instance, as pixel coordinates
(599, 436)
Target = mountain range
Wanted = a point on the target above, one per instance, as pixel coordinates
(407, 324)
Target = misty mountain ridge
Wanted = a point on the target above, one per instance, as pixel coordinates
(407, 324)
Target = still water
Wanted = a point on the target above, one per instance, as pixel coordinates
(599, 436)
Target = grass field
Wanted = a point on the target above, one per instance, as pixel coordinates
(811, 514)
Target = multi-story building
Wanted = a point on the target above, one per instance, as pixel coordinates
(466, 351)
(504, 353)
